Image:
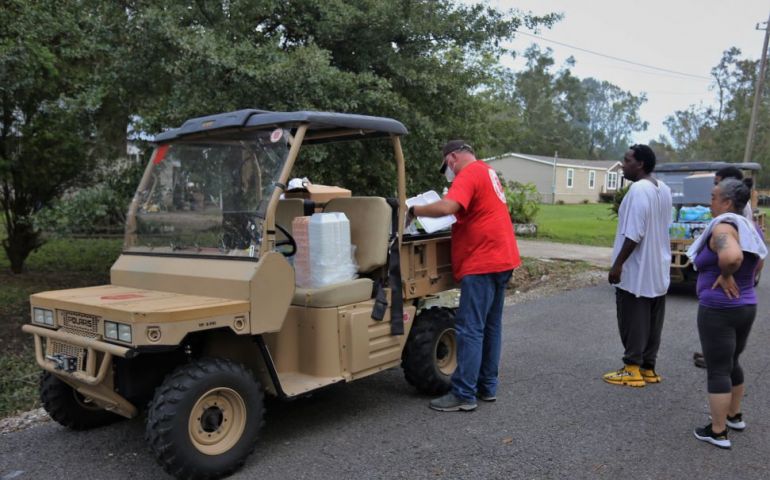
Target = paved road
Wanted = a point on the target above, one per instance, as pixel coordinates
(554, 418)
(597, 256)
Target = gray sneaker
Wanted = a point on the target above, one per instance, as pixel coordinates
(450, 403)
(486, 397)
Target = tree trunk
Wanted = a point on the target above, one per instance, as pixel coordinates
(22, 240)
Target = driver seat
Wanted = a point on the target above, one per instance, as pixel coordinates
(288, 209)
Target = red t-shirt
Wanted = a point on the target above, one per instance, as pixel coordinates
(482, 238)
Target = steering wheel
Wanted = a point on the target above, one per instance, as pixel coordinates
(288, 241)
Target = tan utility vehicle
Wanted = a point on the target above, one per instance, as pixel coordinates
(691, 184)
(202, 318)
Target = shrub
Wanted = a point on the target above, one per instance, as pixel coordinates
(90, 210)
(523, 201)
(559, 202)
(97, 209)
(585, 201)
(606, 197)
(619, 194)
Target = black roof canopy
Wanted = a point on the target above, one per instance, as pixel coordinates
(345, 126)
(704, 166)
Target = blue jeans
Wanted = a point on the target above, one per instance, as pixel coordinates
(479, 325)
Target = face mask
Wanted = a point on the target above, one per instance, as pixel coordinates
(449, 174)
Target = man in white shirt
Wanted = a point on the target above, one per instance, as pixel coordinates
(641, 260)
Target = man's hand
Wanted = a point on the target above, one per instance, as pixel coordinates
(617, 267)
(409, 217)
(614, 275)
(727, 282)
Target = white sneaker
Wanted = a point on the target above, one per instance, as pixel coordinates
(736, 423)
(706, 434)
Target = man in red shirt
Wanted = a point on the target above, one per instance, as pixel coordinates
(484, 253)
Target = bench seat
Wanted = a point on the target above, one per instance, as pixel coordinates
(345, 293)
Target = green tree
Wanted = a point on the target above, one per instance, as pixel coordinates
(664, 151)
(719, 134)
(44, 114)
(613, 116)
(425, 62)
(547, 102)
(542, 110)
(76, 75)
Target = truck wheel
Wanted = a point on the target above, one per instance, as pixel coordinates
(204, 419)
(69, 408)
(430, 354)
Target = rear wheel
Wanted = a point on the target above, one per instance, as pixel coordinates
(430, 354)
(205, 418)
(69, 408)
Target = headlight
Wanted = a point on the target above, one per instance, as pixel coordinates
(43, 316)
(117, 331)
(124, 333)
(111, 330)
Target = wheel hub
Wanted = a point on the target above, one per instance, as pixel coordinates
(446, 351)
(212, 419)
(217, 421)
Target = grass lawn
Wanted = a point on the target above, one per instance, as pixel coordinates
(585, 224)
(59, 264)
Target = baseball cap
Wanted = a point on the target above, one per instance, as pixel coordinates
(453, 146)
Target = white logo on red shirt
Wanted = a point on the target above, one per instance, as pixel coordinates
(497, 185)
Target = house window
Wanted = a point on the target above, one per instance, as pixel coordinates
(612, 180)
(591, 179)
(570, 177)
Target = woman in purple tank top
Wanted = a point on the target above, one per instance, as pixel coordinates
(726, 310)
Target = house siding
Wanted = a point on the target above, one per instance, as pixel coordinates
(540, 172)
(525, 171)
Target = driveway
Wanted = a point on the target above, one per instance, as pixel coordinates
(554, 417)
(597, 256)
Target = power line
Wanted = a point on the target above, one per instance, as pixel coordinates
(615, 66)
(618, 59)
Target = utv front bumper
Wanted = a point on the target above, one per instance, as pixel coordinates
(84, 363)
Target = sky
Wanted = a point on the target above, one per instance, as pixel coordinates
(686, 36)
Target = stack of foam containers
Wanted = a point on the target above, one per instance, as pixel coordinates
(300, 232)
(330, 249)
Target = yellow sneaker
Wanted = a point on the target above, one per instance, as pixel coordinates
(650, 375)
(629, 375)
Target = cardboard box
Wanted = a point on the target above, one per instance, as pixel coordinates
(318, 193)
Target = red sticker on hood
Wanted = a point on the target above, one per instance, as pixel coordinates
(122, 296)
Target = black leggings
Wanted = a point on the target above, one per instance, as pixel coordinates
(723, 334)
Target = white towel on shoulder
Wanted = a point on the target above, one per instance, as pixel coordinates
(748, 236)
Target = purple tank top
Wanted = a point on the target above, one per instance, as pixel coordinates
(707, 263)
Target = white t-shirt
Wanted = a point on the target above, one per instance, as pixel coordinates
(644, 217)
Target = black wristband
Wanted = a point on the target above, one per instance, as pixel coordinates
(410, 211)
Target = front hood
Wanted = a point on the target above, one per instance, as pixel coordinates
(133, 305)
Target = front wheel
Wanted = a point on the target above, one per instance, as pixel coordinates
(69, 408)
(430, 354)
(205, 418)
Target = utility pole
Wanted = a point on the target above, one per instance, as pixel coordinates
(553, 178)
(757, 92)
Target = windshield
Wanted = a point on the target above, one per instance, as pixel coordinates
(207, 197)
(675, 181)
